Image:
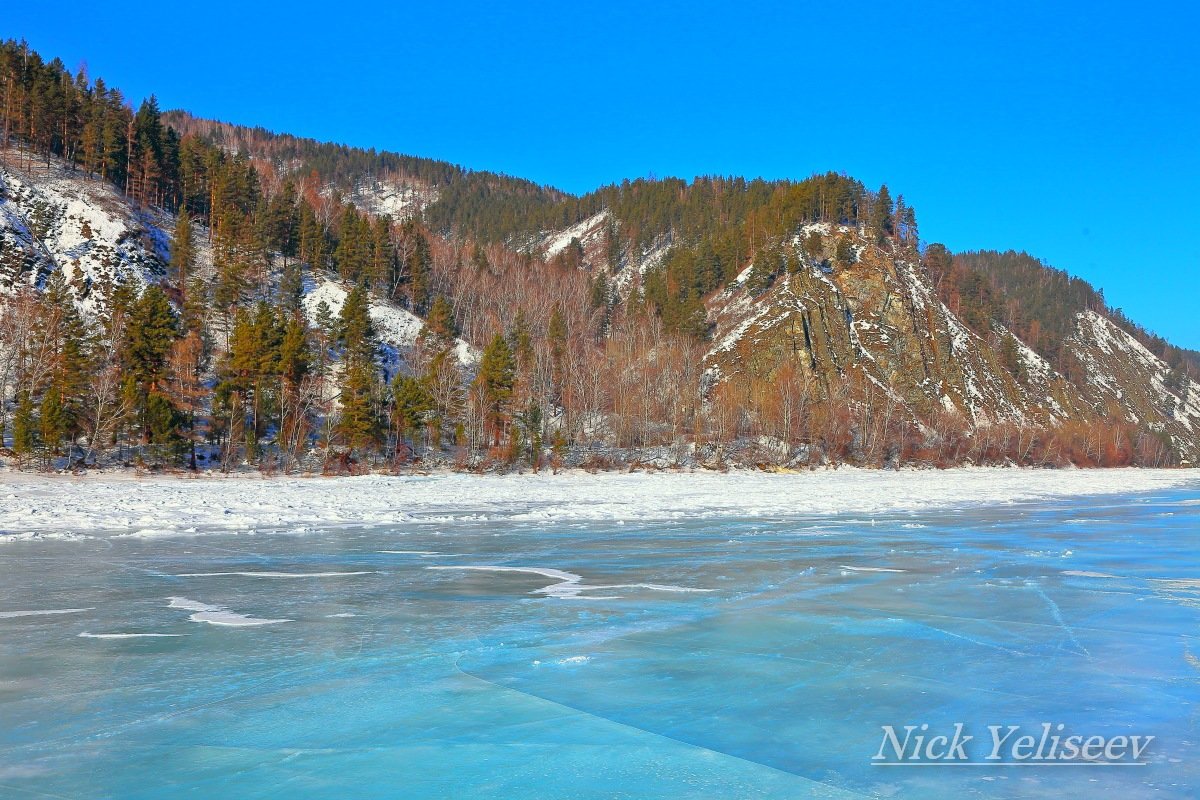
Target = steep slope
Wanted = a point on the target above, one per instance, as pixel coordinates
(879, 320)
(55, 218)
(1122, 377)
(397, 329)
(878, 317)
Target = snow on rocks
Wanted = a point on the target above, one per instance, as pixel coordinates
(1121, 370)
(54, 218)
(400, 201)
(592, 227)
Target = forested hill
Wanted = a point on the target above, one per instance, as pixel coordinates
(1038, 302)
(486, 206)
(177, 291)
(718, 217)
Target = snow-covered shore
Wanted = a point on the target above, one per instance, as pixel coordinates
(63, 507)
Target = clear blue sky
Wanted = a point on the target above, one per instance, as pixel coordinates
(1070, 130)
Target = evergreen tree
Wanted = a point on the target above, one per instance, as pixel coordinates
(353, 254)
(24, 425)
(314, 247)
(355, 332)
(183, 250)
(844, 252)
(53, 420)
(520, 340)
(358, 421)
(556, 336)
(496, 378)
(411, 405)
(439, 325)
(882, 221)
(417, 266)
(325, 321)
(151, 330)
(162, 422)
(195, 305)
(282, 222)
(295, 355)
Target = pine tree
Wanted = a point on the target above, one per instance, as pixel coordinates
(151, 330)
(291, 286)
(599, 293)
(195, 306)
(355, 332)
(882, 221)
(24, 425)
(354, 248)
(53, 421)
(183, 250)
(439, 325)
(417, 267)
(531, 422)
(383, 254)
(496, 378)
(282, 222)
(556, 336)
(71, 366)
(844, 252)
(358, 421)
(520, 340)
(314, 247)
(295, 355)
(162, 422)
(411, 405)
(325, 320)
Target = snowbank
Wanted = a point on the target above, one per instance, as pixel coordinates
(65, 507)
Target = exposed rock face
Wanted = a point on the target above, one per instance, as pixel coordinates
(1120, 376)
(879, 317)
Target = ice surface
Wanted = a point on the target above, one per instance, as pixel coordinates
(86, 635)
(42, 613)
(263, 574)
(568, 585)
(217, 615)
(818, 628)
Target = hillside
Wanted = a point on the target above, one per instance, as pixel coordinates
(178, 291)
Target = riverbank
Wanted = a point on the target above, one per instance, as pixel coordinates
(65, 506)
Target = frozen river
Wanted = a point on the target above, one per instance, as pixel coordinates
(728, 656)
